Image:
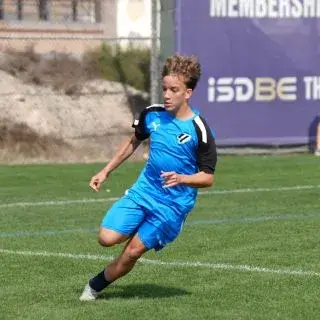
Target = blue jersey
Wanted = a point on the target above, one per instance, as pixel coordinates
(183, 146)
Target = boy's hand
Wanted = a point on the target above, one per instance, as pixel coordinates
(97, 180)
(171, 179)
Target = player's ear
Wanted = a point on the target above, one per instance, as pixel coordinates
(188, 93)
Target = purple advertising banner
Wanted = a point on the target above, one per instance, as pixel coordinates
(261, 67)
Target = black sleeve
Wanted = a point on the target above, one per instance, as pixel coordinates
(206, 151)
(139, 124)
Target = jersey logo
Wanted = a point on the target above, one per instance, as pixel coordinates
(155, 125)
(183, 138)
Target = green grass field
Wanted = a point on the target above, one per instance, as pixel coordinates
(250, 249)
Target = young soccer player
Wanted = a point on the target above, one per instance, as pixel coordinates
(182, 158)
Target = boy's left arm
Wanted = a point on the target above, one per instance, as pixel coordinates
(198, 180)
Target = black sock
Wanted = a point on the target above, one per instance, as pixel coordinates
(99, 282)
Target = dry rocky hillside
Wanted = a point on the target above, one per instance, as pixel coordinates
(40, 123)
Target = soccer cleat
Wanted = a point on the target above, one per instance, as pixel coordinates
(88, 294)
(317, 153)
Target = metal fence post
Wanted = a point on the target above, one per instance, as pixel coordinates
(1, 10)
(154, 65)
(20, 9)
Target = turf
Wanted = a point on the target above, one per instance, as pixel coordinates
(249, 250)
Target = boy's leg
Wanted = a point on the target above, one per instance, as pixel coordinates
(148, 236)
(117, 268)
(151, 233)
(108, 238)
(118, 225)
(120, 266)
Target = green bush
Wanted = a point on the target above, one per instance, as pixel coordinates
(65, 72)
(129, 66)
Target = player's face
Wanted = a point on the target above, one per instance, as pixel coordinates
(175, 92)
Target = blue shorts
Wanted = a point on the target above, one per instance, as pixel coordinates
(128, 218)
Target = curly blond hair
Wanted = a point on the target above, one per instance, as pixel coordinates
(186, 66)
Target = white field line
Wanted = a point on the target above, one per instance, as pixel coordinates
(112, 199)
(189, 264)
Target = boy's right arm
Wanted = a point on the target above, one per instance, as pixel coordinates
(123, 153)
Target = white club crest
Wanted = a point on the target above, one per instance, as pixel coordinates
(183, 138)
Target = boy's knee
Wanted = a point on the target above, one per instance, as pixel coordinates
(133, 251)
(105, 241)
(133, 254)
(108, 238)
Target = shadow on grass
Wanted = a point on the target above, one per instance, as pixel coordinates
(141, 291)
